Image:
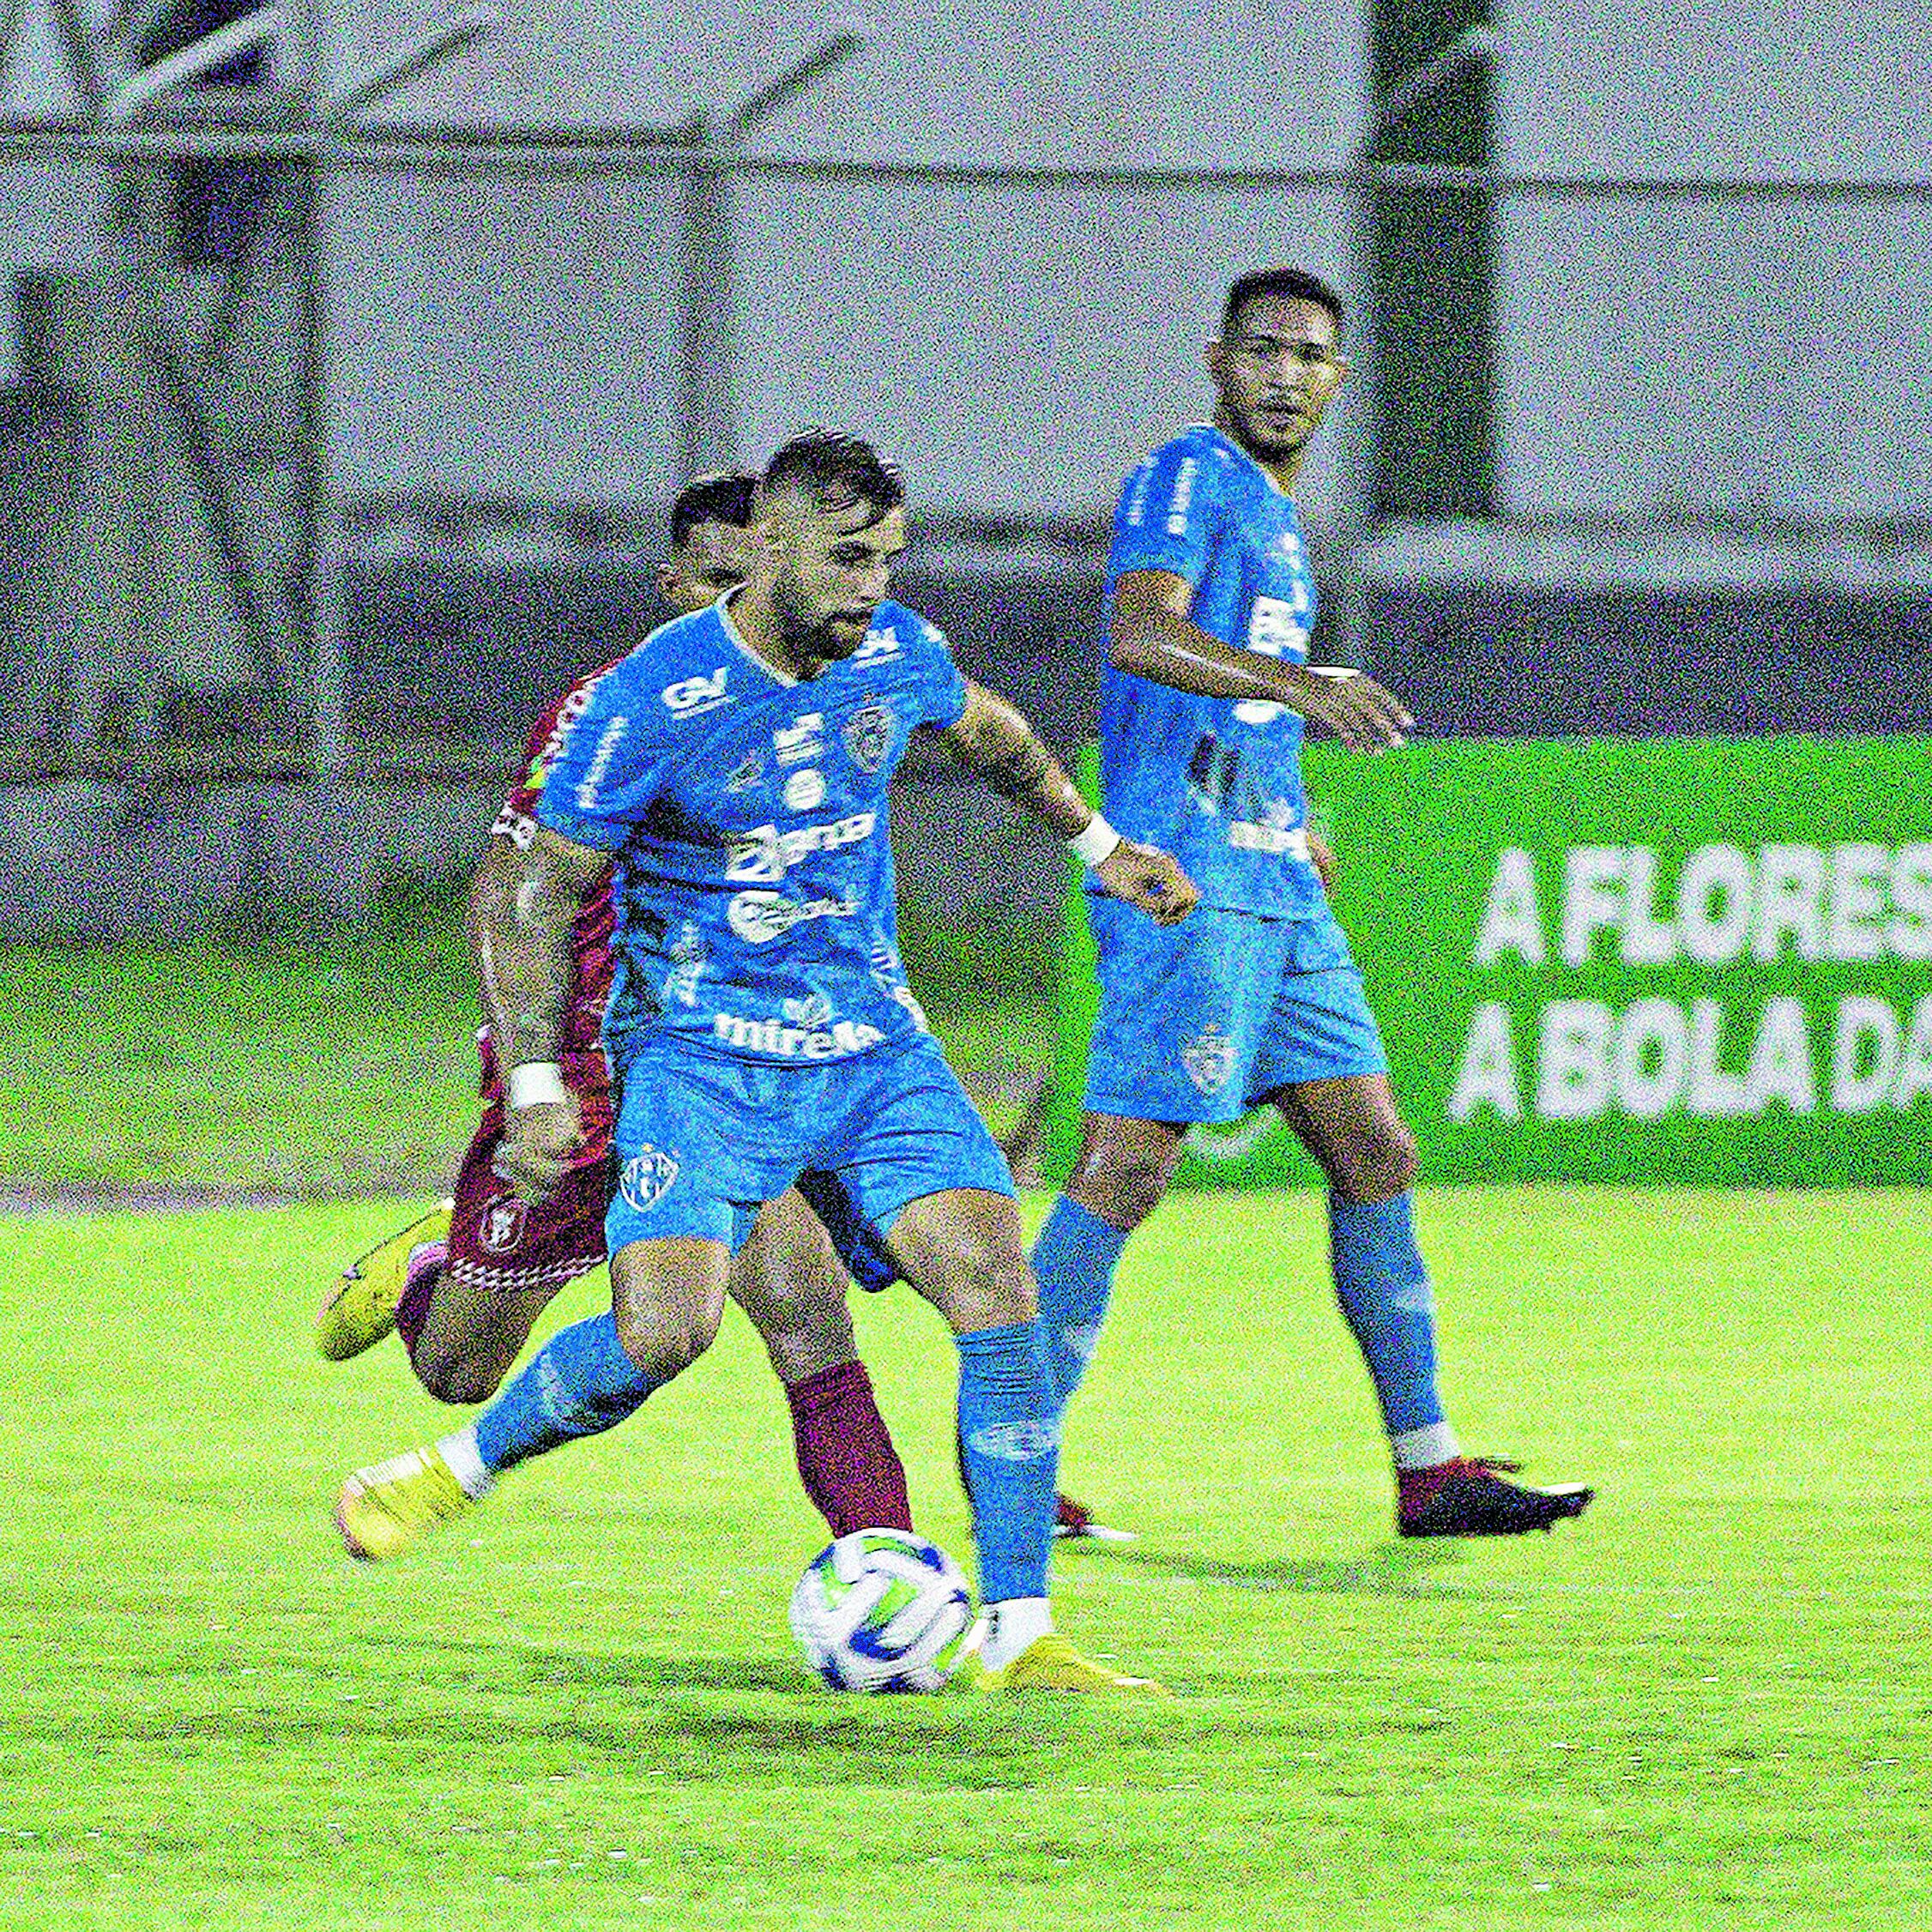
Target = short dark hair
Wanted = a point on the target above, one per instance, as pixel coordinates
(835, 471)
(723, 497)
(1297, 285)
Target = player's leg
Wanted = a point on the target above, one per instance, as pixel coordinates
(667, 1296)
(1323, 1067)
(922, 1169)
(869, 1261)
(788, 1281)
(362, 1306)
(1177, 1012)
(671, 1232)
(963, 1251)
(1123, 1169)
(465, 1322)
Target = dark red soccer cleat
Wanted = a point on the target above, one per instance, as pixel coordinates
(1075, 1521)
(1468, 1497)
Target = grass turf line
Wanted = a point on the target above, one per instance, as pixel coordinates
(1703, 1706)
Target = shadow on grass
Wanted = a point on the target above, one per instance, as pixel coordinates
(1391, 1569)
(699, 1719)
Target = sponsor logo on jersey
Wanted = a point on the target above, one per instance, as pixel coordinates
(804, 789)
(814, 1009)
(868, 734)
(802, 740)
(1276, 629)
(646, 1177)
(766, 853)
(687, 697)
(880, 646)
(746, 775)
(838, 1041)
(757, 917)
(1025, 1441)
(1209, 1060)
(600, 763)
(1182, 497)
(502, 1232)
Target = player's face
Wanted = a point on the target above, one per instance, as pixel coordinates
(829, 570)
(1275, 370)
(711, 560)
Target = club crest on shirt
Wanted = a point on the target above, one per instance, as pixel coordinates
(801, 741)
(646, 1177)
(502, 1232)
(1209, 1060)
(868, 734)
(746, 774)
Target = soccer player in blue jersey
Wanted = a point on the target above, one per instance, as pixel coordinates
(1204, 686)
(730, 778)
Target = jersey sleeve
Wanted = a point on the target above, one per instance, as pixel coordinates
(1165, 517)
(516, 821)
(611, 762)
(942, 688)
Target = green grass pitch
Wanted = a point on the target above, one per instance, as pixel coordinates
(1707, 1706)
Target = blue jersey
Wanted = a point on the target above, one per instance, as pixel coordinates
(745, 813)
(1217, 781)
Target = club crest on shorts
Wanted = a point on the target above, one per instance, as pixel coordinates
(1209, 1059)
(502, 1232)
(868, 736)
(646, 1177)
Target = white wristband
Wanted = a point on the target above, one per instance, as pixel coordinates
(536, 1084)
(1095, 844)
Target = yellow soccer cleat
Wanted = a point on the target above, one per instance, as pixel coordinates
(361, 1310)
(1052, 1663)
(385, 1508)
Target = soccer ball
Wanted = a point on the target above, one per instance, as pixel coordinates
(882, 1610)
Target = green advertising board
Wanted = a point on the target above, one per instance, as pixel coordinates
(1702, 961)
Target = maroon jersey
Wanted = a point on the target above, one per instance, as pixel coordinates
(585, 1071)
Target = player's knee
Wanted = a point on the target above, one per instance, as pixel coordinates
(988, 1287)
(665, 1342)
(1376, 1162)
(457, 1377)
(1122, 1181)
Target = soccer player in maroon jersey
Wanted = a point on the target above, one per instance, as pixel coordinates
(464, 1285)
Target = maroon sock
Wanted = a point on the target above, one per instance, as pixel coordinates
(847, 1462)
(412, 1310)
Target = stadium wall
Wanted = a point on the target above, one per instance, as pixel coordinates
(1693, 961)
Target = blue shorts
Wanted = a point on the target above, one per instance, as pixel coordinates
(1202, 1020)
(702, 1141)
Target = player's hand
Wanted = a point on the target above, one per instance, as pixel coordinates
(1357, 709)
(1321, 856)
(1146, 877)
(537, 1143)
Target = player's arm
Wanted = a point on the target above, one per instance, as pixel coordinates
(1321, 856)
(523, 906)
(992, 739)
(1151, 635)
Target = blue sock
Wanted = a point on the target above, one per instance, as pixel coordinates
(580, 1383)
(1383, 1289)
(1010, 1442)
(1073, 1261)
